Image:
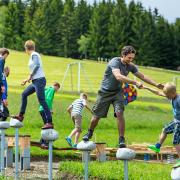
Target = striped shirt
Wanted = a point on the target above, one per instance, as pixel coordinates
(77, 106)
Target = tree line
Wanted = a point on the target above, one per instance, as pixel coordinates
(79, 30)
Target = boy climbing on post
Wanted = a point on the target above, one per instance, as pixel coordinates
(75, 111)
(49, 96)
(169, 91)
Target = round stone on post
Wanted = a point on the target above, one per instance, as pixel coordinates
(86, 148)
(50, 135)
(125, 154)
(3, 127)
(16, 124)
(175, 173)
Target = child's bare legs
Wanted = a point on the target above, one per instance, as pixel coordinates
(78, 133)
(162, 137)
(73, 132)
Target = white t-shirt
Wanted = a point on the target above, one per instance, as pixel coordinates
(35, 66)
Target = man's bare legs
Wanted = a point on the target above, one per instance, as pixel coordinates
(121, 128)
(94, 123)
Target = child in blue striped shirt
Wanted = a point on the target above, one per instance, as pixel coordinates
(75, 111)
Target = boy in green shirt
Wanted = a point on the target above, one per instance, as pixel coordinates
(49, 95)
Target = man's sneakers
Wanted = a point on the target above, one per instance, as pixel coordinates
(69, 141)
(19, 117)
(177, 164)
(154, 148)
(122, 142)
(88, 136)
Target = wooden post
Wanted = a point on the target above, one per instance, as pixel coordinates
(100, 151)
(24, 144)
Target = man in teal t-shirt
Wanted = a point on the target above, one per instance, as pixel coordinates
(49, 95)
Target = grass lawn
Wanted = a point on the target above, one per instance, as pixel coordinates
(115, 170)
(144, 117)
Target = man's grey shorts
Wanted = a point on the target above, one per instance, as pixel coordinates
(104, 100)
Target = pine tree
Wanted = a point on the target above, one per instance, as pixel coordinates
(14, 25)
(29, 16)
(117, 28)
(177, 40)
(3, 11)
(67, 30)
(99, 30)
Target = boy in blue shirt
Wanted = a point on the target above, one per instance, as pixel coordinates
(3, 55)
(169, 91)
(5, 93)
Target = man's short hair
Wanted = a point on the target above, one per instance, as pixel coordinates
(29, 45)
(127, 50)
(4, 51)
(169, 87)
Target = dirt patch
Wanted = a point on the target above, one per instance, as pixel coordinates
(39, 170)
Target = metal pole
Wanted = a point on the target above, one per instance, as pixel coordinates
(79, 75)
(86, 78)
(64, 77)
(71, 78)
(2, 151)
(86, 159)
(125, 169)
(50, 160)
(16, 153)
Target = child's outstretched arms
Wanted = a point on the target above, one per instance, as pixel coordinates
(88, 108)
(69, 109)
(154, 91)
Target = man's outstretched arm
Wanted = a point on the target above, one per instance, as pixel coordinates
(124, 79)
(148, 80)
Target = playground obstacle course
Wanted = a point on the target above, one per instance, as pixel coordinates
(175, 173)
(86, 148)
(50, 135)
(125, 154)
(16, 124)
(3, 127)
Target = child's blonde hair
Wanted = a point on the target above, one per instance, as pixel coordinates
(30, 45)
(83, 96)
(169, 88)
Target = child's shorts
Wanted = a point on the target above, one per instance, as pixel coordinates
(173, 127)
(77, 119)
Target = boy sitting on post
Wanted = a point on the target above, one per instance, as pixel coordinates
(169, 91)
(75, 111)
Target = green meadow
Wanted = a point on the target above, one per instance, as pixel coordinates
(144, 118)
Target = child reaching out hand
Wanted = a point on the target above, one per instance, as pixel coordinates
(169, 91)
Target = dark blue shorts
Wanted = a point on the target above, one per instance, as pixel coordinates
(173, 128)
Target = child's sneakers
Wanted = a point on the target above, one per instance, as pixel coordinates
(177, 164)
(75, 146)
(154, 148)
(69, 141)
